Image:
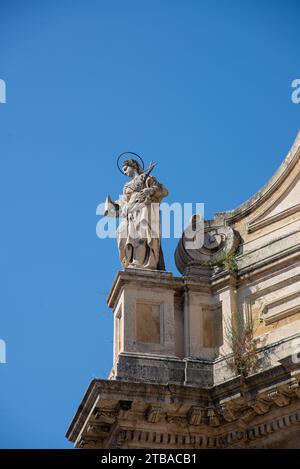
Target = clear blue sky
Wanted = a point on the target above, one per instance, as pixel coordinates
(202, 87)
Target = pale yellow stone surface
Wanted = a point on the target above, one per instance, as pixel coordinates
(148, 322)
(189, 317)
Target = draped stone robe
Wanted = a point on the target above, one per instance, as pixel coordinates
(138, 234)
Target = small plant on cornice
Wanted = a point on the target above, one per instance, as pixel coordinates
(227, 260)
(240, 338)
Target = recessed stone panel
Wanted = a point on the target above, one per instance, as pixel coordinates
(148, 319)
(212, 326)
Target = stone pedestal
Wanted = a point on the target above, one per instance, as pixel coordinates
(147, 335)
(168, 329)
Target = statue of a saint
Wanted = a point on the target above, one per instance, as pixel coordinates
(138, 234)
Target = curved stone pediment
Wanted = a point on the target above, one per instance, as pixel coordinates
(271, 215)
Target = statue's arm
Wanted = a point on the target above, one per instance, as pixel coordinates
(154, 189)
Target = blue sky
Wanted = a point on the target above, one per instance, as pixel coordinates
(202, 87)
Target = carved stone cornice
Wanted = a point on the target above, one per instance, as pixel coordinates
(231, 232)
(281, 174)
(162, 416)
(142, 277)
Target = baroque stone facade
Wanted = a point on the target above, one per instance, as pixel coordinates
(174, 382)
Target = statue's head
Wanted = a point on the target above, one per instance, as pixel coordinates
(130, 167)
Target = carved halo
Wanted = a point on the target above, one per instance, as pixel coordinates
(124, 158)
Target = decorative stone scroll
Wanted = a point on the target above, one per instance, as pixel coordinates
(219, 240)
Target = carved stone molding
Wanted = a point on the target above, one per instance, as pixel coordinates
(153, 413)
(196, 415)
(177, 416)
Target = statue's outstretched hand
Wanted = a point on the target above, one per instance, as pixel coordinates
(111, 209)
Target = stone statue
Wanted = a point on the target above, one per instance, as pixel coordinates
(138, 234)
